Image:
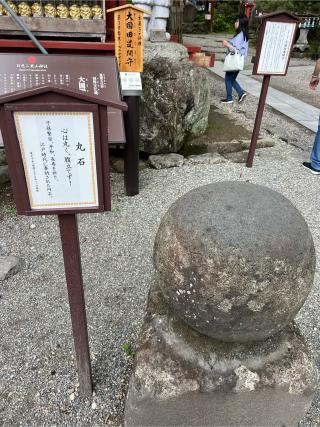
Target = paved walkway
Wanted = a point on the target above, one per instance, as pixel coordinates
(305, 114)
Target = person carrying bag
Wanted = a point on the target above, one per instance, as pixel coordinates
(234, 61)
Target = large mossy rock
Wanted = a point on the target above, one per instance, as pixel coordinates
(176, 98)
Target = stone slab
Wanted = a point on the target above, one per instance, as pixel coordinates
(163, 161)
(9, 265)
(182, 378)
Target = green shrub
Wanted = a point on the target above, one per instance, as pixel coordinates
(223, 23)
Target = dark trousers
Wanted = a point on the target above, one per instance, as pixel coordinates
(231, 83)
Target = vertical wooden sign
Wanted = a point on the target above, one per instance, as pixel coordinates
(128, 35)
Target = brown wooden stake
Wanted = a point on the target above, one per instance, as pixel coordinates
(72, 264)
(257, 123)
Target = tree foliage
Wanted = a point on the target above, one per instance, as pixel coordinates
(300, 7)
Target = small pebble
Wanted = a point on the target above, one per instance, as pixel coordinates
(32, 226)
(72, 397)
(94, 405)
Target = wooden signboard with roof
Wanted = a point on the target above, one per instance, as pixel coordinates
(56, 146)
(128, 37)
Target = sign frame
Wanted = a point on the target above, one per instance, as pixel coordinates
(276, 17)
(17, 170)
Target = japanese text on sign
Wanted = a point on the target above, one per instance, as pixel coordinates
(129, 39)
(58, 154)
(276, 47)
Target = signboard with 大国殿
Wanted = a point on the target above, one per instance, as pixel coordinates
(96, 76)
(58, 154)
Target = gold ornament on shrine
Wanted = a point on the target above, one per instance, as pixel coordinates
(2, 10)
(37, 9)
(12, 6)
(24, 9)
(85, 11)
(97, 12)
(74, 11)
(50, 11)
(62, 11)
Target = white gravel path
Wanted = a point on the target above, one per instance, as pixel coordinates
(37, 376)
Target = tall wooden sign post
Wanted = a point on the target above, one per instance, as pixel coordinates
(56, 146)
(128, 35)
(275, 43)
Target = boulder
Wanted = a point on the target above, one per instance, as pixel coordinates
(176, 99)
(235, 260)
(3, 160)
(4, 174)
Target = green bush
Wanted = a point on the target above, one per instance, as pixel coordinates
(223, 23)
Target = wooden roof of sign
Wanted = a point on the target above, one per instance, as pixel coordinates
(73, 93)
(128, 6)
(281, 12)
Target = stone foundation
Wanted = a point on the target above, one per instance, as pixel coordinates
(183, 378)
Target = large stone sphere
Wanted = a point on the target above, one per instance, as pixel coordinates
(234, 260)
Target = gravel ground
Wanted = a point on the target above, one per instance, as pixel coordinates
(38, 384)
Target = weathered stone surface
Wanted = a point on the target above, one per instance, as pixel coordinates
(162, 161)
(261, 143)
(238, 157)
(176, 98)
(4, 174)
(224, 147)
(207, 158)
(235, 260)
(9, 265)
(3, 159)
(182, 378)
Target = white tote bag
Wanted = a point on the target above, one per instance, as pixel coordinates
(234, 61)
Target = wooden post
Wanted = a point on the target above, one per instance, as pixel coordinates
(72, 264)
(257, 123)
(131, 159)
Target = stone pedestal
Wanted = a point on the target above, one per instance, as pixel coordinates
(183, 378)
(302, 43)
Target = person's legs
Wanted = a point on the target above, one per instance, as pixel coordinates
(236, 85)
(229, 79)
(315, 153)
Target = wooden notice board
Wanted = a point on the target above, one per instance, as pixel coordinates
(275, 43)
(128, 35)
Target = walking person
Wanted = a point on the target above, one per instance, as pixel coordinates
(239, 42)
(314, 165)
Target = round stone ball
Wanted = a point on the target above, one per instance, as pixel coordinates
(234, 260)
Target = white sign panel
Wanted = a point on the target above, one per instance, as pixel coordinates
(58, 153)
(131, 82)
(276, 46)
